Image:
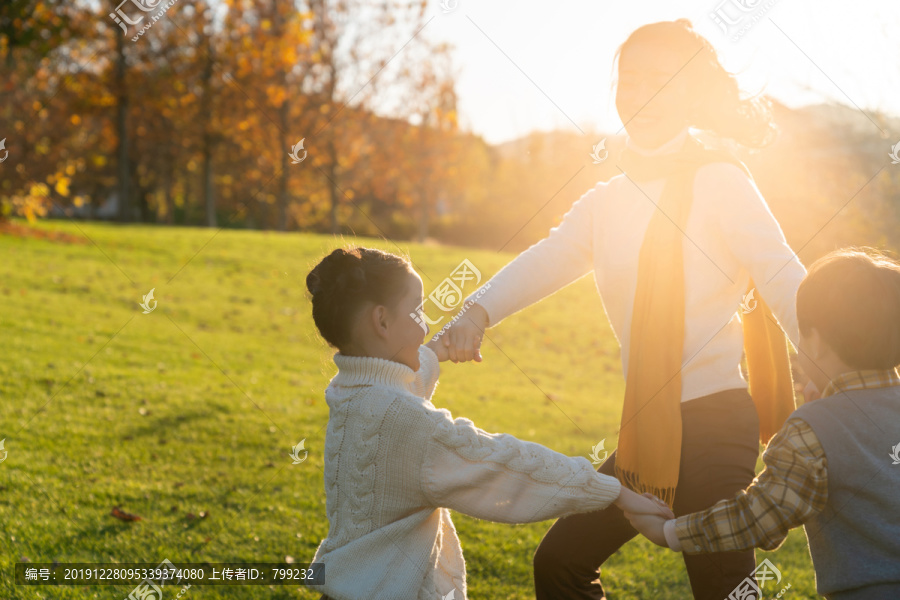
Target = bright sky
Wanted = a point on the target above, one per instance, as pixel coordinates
(557, 68)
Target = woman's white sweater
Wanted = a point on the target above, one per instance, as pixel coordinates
(395, 464)
(731, 236)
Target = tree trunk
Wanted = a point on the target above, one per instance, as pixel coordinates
(209, 202)
(424, 155)
(125, 211)
(332, 184)
(283, 183)
(169, 218)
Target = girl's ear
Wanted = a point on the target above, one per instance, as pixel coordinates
(379, 319)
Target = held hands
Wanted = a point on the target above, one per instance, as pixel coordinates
(437, 346)
(646, 513)
(635, 504)
(650, 526)
(463, 339)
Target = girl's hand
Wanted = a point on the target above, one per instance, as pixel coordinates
(634, 504)
(463, 338)
(650, 526)
(437, 346)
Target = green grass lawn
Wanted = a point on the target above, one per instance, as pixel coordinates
(195, 407)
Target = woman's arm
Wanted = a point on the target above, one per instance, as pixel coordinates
(547, 266)
(755, 239)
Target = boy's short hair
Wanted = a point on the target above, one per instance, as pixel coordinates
(852, 297)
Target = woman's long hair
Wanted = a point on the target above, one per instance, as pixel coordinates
(718, 105)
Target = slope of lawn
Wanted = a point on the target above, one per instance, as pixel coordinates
(186, 416)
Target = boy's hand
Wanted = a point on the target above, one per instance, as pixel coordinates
(650, 526)
(633, 503)
(437, 346)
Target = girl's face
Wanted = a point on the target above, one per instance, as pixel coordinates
(652, 92)
(405, 334)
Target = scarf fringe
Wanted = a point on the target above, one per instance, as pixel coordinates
(633, 481)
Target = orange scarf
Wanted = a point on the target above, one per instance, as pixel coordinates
(649, 449)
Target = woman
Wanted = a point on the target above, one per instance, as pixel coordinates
(676, 243)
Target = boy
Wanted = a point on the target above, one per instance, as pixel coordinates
(834, 466)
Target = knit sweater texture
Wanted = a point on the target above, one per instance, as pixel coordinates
(394, 466)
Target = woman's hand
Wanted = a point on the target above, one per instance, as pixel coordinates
(463, 339)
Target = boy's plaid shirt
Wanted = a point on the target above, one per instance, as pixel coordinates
(791, 489)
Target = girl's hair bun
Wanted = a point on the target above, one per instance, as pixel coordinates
(339, 271)
(345, 280)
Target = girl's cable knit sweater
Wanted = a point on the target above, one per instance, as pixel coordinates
(395, 464)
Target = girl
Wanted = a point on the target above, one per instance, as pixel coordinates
(677, 243)
(395, 464)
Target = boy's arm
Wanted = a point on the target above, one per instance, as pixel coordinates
(791, 489)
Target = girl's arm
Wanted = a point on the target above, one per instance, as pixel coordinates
(501, 478)
(792, 489)
(547, 266)
(429, 370)
(754, 237)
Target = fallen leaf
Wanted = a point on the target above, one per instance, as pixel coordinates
(124, 516)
